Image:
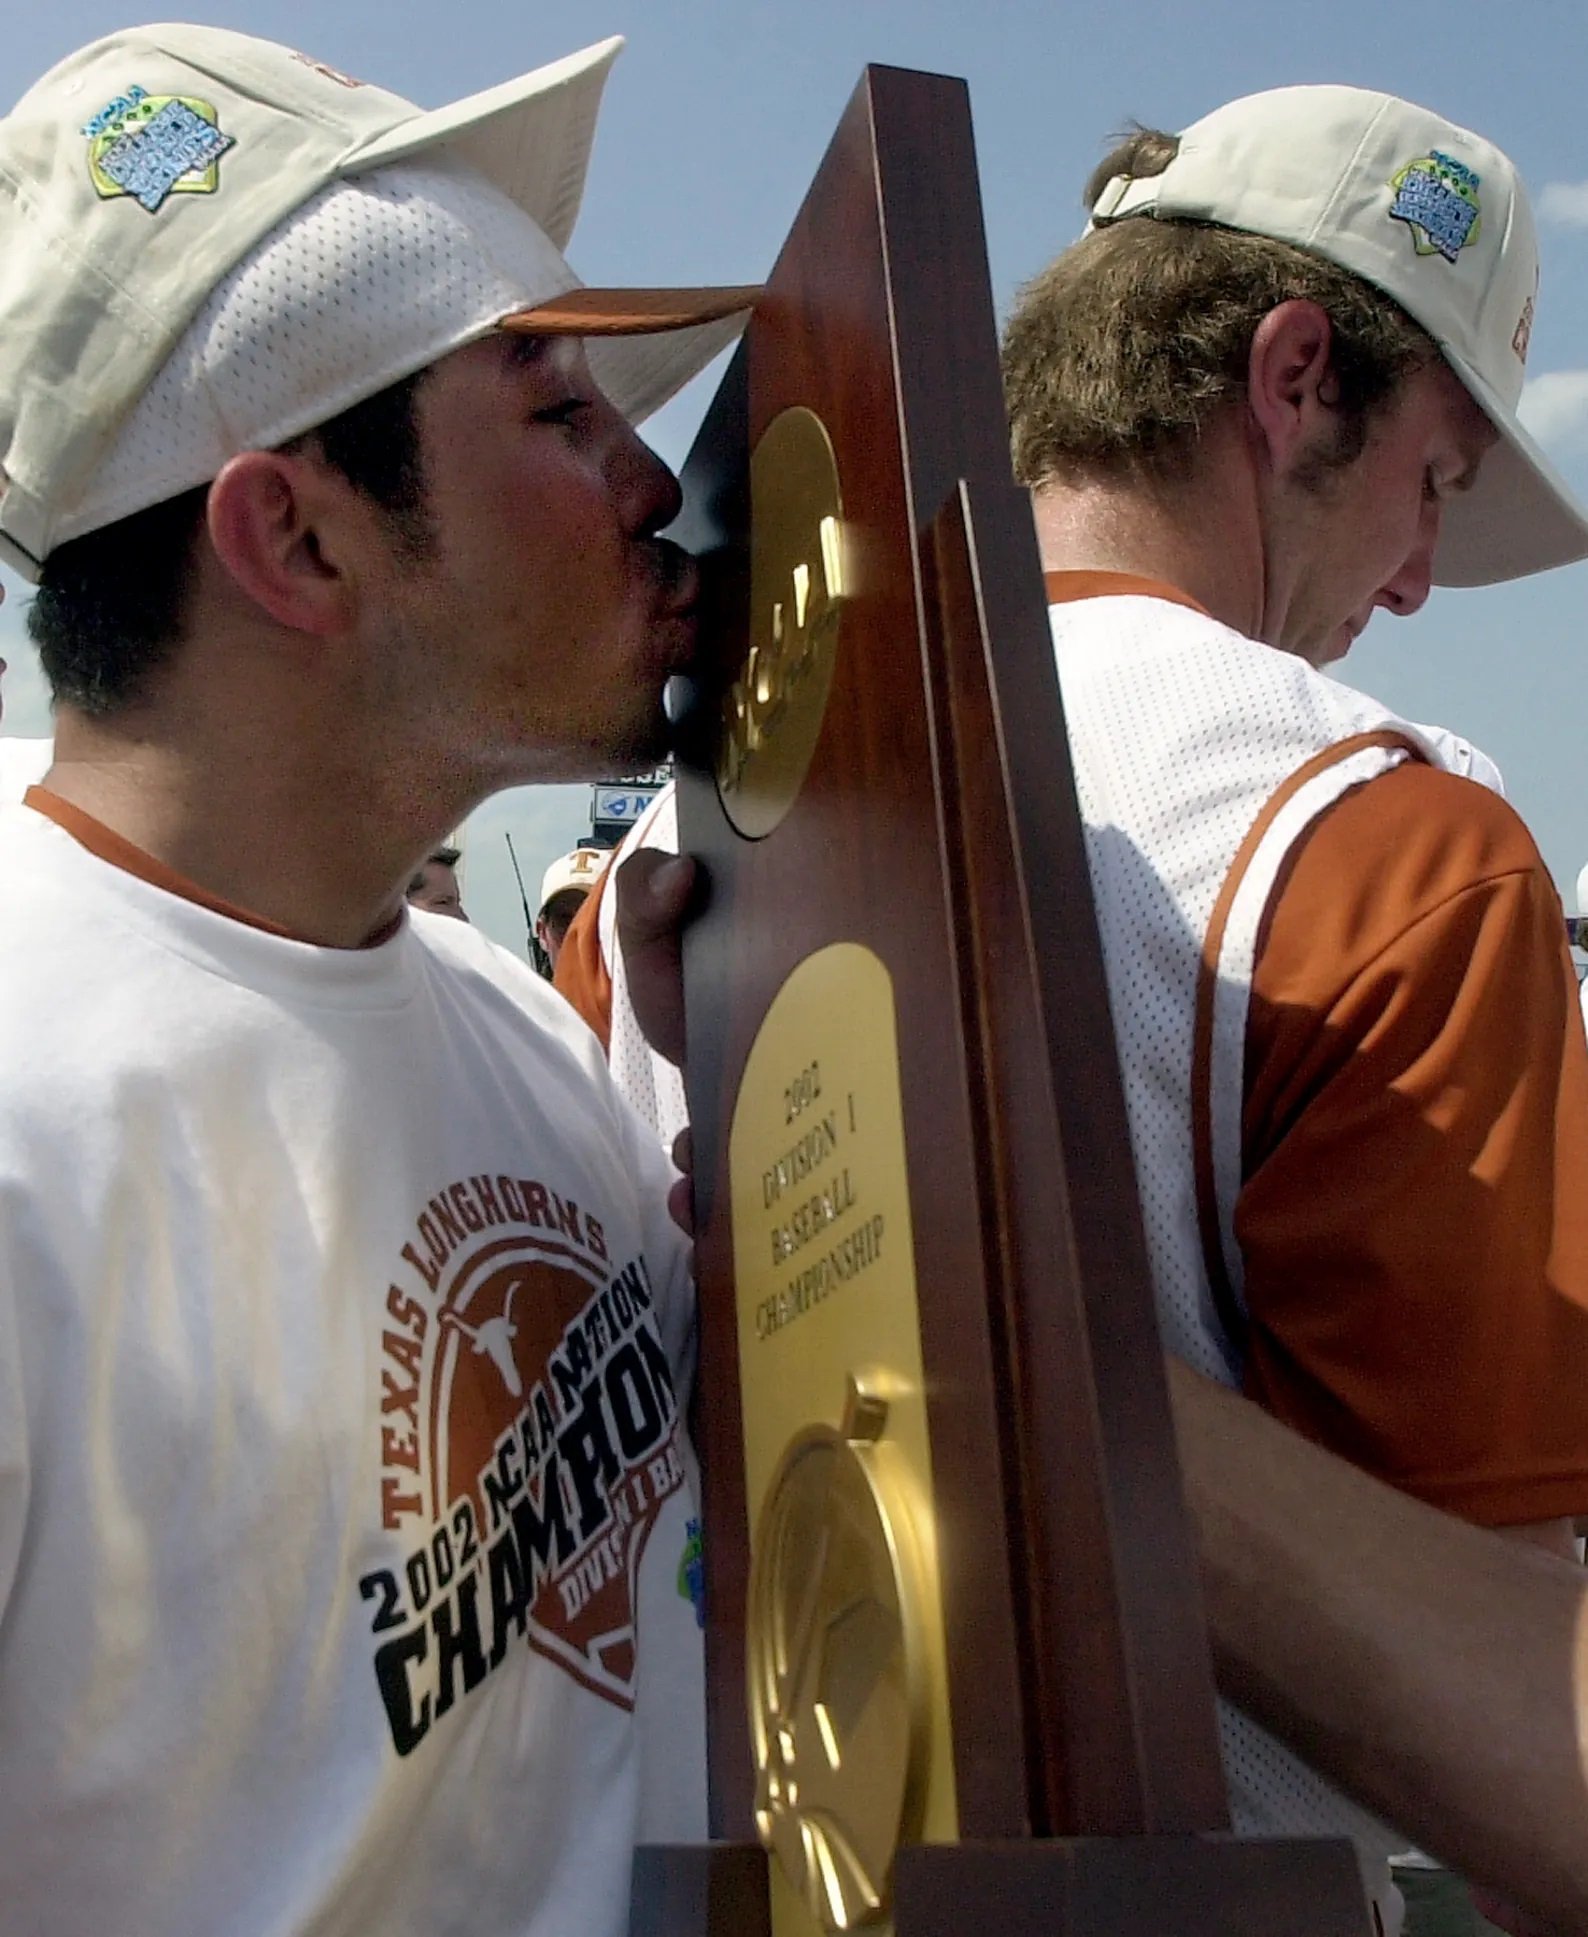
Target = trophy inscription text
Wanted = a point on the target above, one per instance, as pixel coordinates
(848, 1691)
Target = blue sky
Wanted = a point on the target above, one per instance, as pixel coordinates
(718, 113)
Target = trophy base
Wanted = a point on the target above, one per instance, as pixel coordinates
(1132, 1886)
(700, 1890)
(1084, 1886)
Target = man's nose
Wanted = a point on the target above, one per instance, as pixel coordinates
(650, 493)
(1407, 592)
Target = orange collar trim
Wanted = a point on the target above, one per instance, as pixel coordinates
(1066, 588)
(105, 843)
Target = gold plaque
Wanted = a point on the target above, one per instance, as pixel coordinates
(849, 1693)
(772, 713)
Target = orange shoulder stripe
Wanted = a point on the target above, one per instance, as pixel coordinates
(1224, 1298)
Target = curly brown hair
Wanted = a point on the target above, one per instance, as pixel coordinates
(1120, 353)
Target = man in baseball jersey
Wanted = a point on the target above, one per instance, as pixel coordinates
(344, 1334)
(1270, 392)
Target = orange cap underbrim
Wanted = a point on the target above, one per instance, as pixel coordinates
(630, 312)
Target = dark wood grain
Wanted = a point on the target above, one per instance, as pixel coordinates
(858, 858)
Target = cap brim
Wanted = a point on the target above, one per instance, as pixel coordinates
(631, 312)
(644, 345)
(531, 136)
(1519, 517)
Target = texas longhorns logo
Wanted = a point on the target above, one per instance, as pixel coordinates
(494, 1337)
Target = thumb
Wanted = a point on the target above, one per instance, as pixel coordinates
(654, 892)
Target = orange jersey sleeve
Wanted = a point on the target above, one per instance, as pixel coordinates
(1413, 1218)
(581, 973)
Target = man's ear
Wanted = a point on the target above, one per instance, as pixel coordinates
(271, 518)
(1292, 390)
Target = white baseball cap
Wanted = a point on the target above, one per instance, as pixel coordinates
(168, 192)
(1438, 219)
(582, 868)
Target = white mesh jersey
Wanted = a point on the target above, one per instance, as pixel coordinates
(344, 1337)
(1201, 759)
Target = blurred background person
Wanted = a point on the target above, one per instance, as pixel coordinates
(435, 887)
(592, 974)
(563, 889)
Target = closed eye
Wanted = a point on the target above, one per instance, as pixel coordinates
(569, 411)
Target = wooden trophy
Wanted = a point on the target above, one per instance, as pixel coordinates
(957, 1670)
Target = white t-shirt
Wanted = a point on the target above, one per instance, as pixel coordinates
(23, 763)
(343, 1343)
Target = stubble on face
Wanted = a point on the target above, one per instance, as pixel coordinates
(547, 615)
(1365, 512)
